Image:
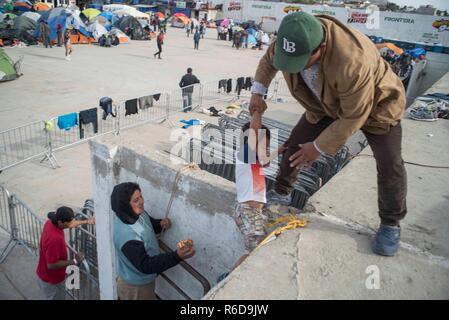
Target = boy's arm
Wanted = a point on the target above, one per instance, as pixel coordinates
(255, 125)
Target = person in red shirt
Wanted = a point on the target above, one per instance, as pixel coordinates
(160, 42)
(53, 258)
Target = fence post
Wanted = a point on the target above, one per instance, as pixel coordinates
(117, 118)
(49, 156)
(13, 240)
(201, 95)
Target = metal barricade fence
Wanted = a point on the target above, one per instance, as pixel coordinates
(42, 138)
(181, 99)
(25, 228)
(21, 144)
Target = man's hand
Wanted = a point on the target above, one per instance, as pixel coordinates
(305, 156)
(91, 221)
(79, 257)
(166, 223)
(257, 103)
(185, 252)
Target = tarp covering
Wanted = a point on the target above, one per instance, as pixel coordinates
(32, 15)
(24, 23)
(22, 6)
(41, 6)
(390, 46)
(180, 21)
(417, 52)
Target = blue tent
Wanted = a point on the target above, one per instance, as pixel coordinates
(64, 19)
(107, 14)
(44, 15)
(251, 39)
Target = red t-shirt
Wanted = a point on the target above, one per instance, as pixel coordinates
(53, 248)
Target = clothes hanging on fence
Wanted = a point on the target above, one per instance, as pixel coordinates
(156, 96)
(229, 85)
(248, 83)
(68, 121)
(86, 117)
(106, 106)
(145, 102)
(239, 87)
(222, 84)
(131, 107)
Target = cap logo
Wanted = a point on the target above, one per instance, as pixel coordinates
(289, 46)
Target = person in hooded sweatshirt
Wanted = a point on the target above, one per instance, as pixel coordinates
(139, 258)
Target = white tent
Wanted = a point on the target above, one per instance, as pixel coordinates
(115, 7)
(134, 13)
(97, 30)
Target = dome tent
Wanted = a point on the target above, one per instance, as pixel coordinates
(132, 26)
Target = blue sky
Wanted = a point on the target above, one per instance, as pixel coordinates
(439, 4)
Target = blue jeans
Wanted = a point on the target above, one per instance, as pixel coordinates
(187, 101)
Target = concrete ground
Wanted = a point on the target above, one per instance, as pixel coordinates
(17, 274)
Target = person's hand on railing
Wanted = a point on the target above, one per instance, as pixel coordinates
(79, 257)
(257, 103)
(185, 252)
(91, 221)
(165, 224)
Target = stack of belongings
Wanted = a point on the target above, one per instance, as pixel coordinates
(429, 107)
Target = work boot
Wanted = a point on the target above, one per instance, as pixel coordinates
(386, 242)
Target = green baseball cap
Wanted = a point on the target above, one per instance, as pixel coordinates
(299, 34)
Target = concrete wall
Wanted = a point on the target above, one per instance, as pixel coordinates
(201, 211)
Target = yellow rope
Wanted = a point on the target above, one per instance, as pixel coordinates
(293, 223)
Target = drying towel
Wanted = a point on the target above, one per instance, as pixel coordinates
(145, 102)
(229, 85)
(68, 121)
(88, 116)
(131, 107)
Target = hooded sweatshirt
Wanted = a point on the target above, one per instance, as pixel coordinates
(139, 259)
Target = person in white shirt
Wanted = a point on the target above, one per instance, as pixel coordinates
(252, 156)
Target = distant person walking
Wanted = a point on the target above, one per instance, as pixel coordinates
(67, 44)
(59, 34)
(196, 39)
(45, 33)
(202, 30)
(186, 83)
(188, 29)
(192, 27)
(160, 42)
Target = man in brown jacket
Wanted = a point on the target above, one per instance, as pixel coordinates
(339, 77)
